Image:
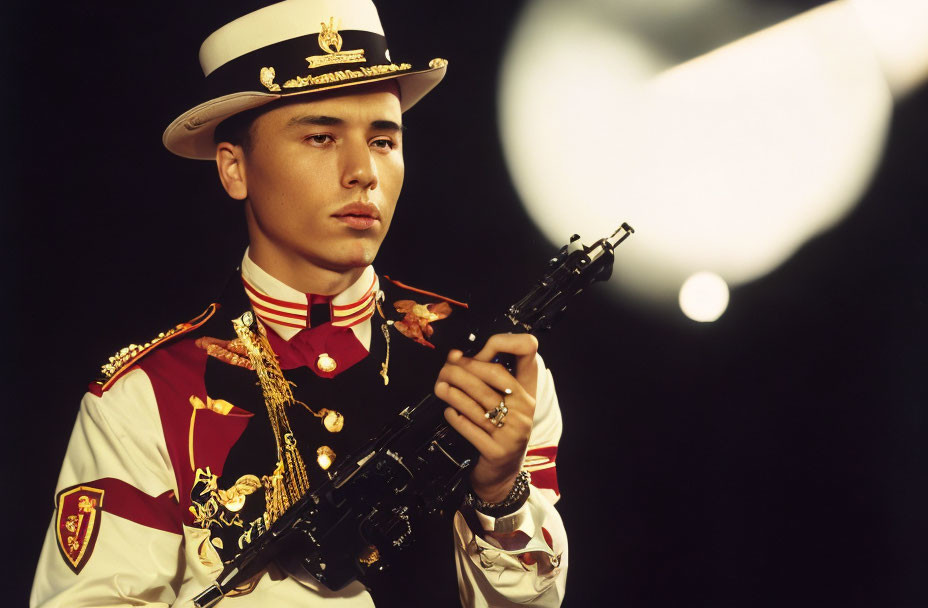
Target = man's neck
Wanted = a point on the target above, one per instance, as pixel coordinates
(302, 274)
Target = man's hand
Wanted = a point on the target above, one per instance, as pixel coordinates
(475, 386)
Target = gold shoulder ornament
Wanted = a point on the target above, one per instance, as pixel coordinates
(128, 356)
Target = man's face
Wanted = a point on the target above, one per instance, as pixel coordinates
(323, 177)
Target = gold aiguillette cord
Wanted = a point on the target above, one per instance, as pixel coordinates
(289, 481)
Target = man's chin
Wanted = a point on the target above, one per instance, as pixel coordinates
(351, 260)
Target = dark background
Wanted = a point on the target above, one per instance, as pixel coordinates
(775, 457)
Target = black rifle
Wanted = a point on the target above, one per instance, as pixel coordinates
(366, 513)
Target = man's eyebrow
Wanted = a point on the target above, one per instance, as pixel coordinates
(387, 125)
(332, 121)
(320, 121)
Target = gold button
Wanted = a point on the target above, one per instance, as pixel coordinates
(369, 555)
(332, 421)
(325, 363)
(324, 457)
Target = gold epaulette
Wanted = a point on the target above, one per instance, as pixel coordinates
(126, 357)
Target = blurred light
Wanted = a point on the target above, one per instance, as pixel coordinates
(704, 297)
(728, 162)
(898, 33)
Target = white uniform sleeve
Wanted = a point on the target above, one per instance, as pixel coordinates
(519, 559)
(117, 436)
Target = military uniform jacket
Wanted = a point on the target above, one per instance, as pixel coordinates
(172, 464)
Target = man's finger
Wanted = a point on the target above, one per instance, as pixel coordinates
(472, 433)
(514, 344)
(493, 375)
(524, 347)
(464, 405)
(475, 385)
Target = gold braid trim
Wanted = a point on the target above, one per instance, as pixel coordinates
(125, 358)
(289, 481)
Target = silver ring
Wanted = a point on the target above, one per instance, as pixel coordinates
(498, 414)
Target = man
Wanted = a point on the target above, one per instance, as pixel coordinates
(198, 441)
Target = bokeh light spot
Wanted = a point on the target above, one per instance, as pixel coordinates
(704, 297)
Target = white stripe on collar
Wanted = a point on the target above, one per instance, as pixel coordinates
(286, 309)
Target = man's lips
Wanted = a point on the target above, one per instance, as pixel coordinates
(358, 215)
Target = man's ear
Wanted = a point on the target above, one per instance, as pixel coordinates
(230, 161)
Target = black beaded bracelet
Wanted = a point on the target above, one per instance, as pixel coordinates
(509, 505)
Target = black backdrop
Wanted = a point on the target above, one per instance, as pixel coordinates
(776, 457)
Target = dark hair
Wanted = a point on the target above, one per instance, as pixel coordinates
(237, 128)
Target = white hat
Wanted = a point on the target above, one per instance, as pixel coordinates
(292, 48)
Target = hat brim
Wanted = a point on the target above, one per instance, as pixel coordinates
(191, 134)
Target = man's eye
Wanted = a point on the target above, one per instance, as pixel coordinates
(384, 144)
(320, 139)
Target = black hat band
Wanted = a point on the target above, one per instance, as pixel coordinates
(294, 65)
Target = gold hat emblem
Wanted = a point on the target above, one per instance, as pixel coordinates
(330, 41)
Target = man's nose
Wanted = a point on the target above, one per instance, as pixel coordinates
(358, 168)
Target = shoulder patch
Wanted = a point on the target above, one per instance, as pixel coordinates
(77, 524)
(126, 357)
